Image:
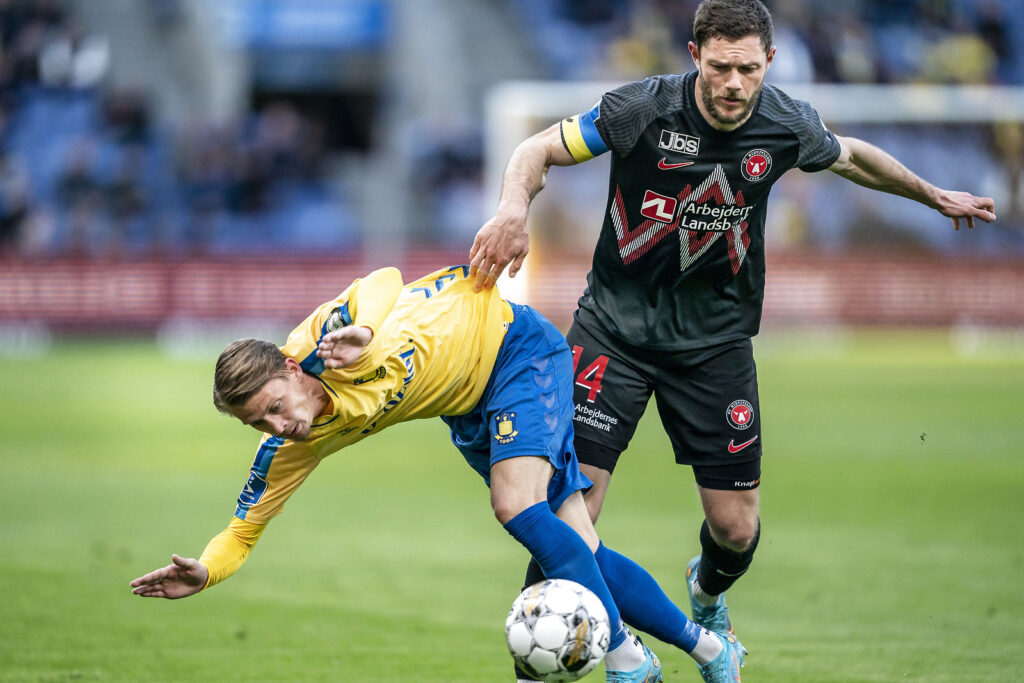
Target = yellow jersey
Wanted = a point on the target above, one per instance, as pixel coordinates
(434, 344)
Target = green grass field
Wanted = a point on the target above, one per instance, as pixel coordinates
(893, 546)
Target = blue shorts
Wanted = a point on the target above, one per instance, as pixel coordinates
(526, 408)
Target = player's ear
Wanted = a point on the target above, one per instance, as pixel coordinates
(292, 366)
(695, 54)
(770, 57)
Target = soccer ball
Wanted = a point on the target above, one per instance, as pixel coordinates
(557, 630)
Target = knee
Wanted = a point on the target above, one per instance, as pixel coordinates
(506, 508)
(516, 484)
(736, 534)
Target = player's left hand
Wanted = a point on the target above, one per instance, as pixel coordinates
(180, 579)
(957, 205)
(341, 348)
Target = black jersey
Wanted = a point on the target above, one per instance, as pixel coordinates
(679, 263)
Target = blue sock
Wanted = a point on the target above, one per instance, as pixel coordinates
(643, 604)
(563, 554)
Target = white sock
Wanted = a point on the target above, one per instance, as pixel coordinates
(700, 596)
(629, 655)
(708, 647)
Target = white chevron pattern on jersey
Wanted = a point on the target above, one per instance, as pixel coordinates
(693, 244)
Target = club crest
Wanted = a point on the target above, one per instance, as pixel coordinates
(505, 427)
(756, 164)
(740, 414)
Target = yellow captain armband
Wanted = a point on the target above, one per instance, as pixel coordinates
(581, 137)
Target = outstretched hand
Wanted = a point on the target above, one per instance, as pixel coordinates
(501, 241)
(957, 205)
(341, 348)
(180, 579)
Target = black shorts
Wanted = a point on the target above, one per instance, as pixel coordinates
(707, 400)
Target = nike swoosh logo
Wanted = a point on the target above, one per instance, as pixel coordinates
(665, 166)
(736, 448)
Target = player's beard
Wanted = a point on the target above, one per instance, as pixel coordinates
(709, 103)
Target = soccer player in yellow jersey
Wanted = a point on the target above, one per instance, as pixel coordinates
(498, 374)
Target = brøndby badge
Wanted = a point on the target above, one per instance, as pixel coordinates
(506, 428)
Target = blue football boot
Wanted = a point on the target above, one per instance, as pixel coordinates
(725, 668)
(648, 672)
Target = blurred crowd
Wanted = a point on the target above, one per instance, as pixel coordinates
(855, 41)
(88, 168)
(946, 42)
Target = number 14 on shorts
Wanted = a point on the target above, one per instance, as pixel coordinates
(590, 377)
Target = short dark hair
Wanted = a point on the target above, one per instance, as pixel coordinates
(243, 367)
(732, 20)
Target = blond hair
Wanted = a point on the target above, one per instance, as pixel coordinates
(243, 367)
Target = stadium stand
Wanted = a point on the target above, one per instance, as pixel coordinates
(162, 130)
(89, 169)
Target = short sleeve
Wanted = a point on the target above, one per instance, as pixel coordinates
(819, 148)
(620, 118)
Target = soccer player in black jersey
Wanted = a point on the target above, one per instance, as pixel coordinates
(677, 282)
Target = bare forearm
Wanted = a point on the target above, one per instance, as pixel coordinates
(876, 169)
(502, 241)
(527, 169)
(869, 166)
(525, 175)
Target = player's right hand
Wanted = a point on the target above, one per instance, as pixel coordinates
(342, 347)
(501, 241)
(180, 579)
